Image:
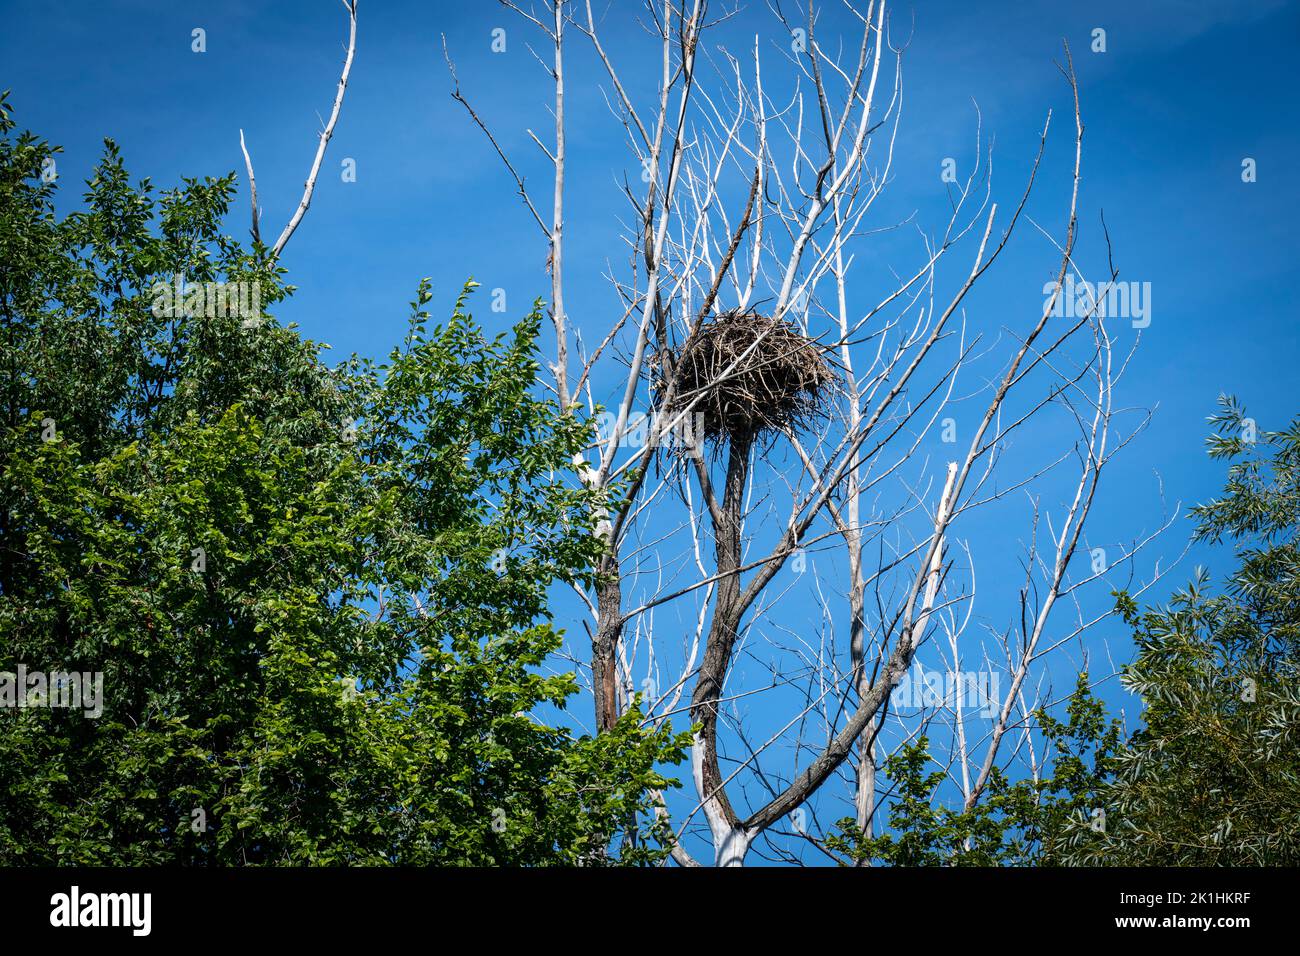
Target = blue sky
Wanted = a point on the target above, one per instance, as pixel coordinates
(1185, 91)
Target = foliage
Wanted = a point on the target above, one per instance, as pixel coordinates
(317, 596)
(1213, 778)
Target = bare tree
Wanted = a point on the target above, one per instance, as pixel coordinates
(755, 193)
(326, 134)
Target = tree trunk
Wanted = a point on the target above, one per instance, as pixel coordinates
(604, 645)
(730, 843)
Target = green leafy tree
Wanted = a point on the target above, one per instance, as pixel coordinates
(1213, 777)
(317, 596)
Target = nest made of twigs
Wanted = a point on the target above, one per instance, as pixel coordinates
(747, 375)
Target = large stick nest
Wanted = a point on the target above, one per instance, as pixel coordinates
(751, 375)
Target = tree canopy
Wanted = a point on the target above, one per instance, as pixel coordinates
(1213, 776)
(317, 595)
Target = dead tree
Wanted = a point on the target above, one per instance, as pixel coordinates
(323, 139)
(736, 308)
